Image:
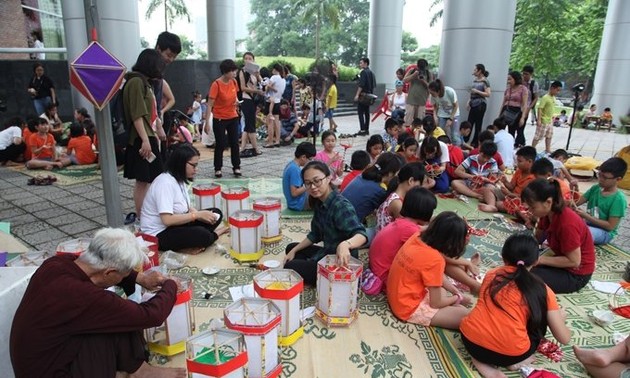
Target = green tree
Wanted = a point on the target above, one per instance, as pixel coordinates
(278, 29)
(321, 11)
(172, 9)
(188, 48)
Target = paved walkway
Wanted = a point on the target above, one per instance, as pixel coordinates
(43, 216)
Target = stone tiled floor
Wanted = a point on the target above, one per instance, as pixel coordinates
(43, 216)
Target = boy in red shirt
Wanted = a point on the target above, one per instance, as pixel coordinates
(493, 197)
(359, 161)
(42, 147)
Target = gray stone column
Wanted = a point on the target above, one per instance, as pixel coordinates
(613, 65)
(221, 36)
(385, 40)
(118, 31)
(474, 32)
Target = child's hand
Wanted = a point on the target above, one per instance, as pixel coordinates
(466, 300)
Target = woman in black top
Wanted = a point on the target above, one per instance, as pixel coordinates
(41, 89)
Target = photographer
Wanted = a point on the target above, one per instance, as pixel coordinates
(418, 78)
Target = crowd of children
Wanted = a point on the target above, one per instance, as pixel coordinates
(422, 273)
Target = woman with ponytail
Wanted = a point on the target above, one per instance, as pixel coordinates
(479, 94)
(514, 309)
(572, 262)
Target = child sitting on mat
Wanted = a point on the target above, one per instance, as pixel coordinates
(513, 312)
(43, 148)
(409, 176)
(473, 172)
(79, 150)
(493, 196)
(359, 161)
(417, 210)
(416, 277)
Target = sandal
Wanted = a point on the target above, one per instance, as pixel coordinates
(218, 174)
(237, 172)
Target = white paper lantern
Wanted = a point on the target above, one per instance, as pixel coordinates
(337, 291)
(235, 199)
(270, 207)
(283, 287)
(170, 338)
(245, 231)
(259, 321)
(216, 353)
(207, 196)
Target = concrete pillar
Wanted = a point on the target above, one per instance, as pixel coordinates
(118, 31)
(76, 41)
(613, 65)
(385, 40)
(477, 32)
(221, 35)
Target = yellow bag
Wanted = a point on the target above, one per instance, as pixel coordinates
(582, 163)
(624, 153)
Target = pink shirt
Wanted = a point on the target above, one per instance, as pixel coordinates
(386, 244)
(323, 157)
(514, 96)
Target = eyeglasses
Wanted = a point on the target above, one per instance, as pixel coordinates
(316, 183)
(601, 176)
(194, 165)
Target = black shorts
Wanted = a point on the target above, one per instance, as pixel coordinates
(488, 356)
(249, 113)
(276, 109)
(138, 168)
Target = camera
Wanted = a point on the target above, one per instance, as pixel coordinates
(578, 87)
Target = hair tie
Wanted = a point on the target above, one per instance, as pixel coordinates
(378, 167)
(520, 262)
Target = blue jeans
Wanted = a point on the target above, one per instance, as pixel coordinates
(600, 236)
(41, 104)
(453, 131)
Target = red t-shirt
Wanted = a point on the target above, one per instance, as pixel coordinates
(37, 141)
(82, 147)
(566, 232)
(347, 179)
(501, 330)
(415, 268)
(456, 157)
(386, 244)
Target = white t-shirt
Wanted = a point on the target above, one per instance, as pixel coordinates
(445, 158)
(446, 103)
(279, 84)
(165, 196)
(505, 147)
(8, 135)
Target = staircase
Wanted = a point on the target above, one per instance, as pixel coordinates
(345, 108)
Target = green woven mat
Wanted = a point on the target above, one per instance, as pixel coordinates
(70, 175)
(468, 210)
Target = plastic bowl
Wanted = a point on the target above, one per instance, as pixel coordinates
(603, 317)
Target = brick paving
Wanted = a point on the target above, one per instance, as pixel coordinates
(42, 216)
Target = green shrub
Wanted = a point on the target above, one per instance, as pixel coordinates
(284, 63)
(348, 73)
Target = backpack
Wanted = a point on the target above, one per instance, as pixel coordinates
(120, 126)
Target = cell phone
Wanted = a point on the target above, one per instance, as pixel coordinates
(151, 157)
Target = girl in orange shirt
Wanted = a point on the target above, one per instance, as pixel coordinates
(30, 129)
(416, 277)
(80, 150)
(513, 312)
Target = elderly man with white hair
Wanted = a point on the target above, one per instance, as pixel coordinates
(68, 325)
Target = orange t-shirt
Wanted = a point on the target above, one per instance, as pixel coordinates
(415, 268)
(564, 188)
(224, 96)
(26, 136)
(37, 141)
(520, 181)
(82, 147)
(490, 327)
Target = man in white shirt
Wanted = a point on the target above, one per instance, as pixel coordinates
(504, 142)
